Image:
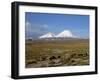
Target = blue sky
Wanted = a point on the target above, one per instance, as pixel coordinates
(41, 23)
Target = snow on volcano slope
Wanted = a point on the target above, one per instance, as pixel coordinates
(65, 34)
(48, 35)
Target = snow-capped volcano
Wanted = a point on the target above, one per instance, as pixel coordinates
(65, 34)
(48, 35)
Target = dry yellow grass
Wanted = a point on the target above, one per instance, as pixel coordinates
(57, 53)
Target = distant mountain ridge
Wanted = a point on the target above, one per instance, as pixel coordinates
(63, 34)
(48, 35)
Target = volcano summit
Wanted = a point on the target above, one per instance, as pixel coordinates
(63, 34)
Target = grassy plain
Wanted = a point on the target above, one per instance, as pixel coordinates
(56, 53)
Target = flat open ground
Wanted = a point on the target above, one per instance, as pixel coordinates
(57, 53)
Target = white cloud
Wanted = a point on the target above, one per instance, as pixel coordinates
(27, 24)
(33, 28)
(45, 26)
